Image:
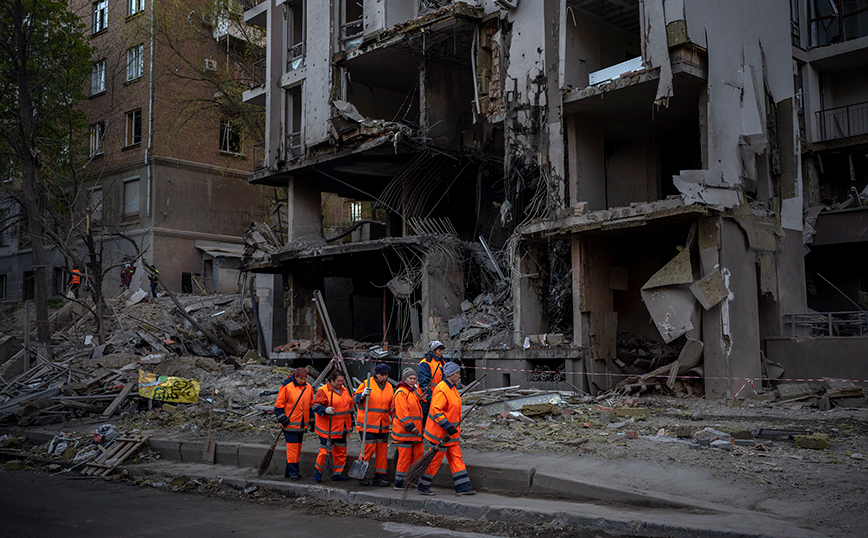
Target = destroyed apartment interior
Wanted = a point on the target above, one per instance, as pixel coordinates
(605, 197)
(637, 226)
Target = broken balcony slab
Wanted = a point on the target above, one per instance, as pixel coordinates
(518, 403)
(671, 308)
(641, 214)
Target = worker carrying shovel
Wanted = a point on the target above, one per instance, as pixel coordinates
(443, 431)
(373, 423)
(333, 406)
(292, 409)
(406, 426)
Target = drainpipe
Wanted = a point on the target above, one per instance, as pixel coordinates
(150, 115)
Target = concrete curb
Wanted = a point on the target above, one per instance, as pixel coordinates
(619, 521)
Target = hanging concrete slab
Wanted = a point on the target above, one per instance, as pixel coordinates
(710, 290)
(671, 308)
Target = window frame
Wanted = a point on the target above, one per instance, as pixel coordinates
(127, 202)
(135, 62)
(98, 75)
(229, 129)
(838, 18)
(133, 122)
(96, 212)
(100, 16)
(132, 6)
(97, 135)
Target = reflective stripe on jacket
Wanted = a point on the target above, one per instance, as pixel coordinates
(445, 410)
(288, 394)
(333, 426)
(76, 277)
(407, 410)
(379, 407)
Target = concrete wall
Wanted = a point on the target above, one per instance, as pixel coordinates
(815, 358)
(633, 172)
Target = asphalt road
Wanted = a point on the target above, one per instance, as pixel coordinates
(35, 504)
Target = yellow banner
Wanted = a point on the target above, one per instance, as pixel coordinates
(168, 389)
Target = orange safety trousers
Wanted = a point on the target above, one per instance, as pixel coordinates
(339, 455)
(456, 465)
(377, 444)
(293, 451)
(407, 454)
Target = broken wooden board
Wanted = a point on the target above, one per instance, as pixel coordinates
(121, 449)
(109, 411)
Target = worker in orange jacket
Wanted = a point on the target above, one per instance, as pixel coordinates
(333, 406)
(374, 428)
(292, 409)
(443, 423)
(430, 374)
(75, 282)
(406, 426)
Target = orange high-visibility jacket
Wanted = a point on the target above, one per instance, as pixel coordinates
(334, 426)
(407, 410)
(379, 408)
(288, 394)
(76, 277)
(445, 410)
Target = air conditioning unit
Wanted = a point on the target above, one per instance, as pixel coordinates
(210, 65)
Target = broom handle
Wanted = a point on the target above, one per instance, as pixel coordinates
(365, 419)
(445, 437)
(467, 389)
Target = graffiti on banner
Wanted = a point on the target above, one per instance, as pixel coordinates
(167, 388)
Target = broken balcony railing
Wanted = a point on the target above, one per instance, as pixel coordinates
(293, 145)
(351, 34)
(843, 121)
(295, 57)
(824, 324)
(259, 156)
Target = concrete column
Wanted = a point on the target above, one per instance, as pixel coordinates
(442, 293)
(273, 93)
(529, 315)
(587, 162)
(731, 328)
(304, 204)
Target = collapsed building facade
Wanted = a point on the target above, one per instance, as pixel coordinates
(540, 204)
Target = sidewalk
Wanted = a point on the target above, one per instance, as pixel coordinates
(577, 491)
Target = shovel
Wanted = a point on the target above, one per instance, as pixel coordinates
(208, 448)
(360, 466)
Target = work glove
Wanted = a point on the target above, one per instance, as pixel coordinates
(411, 428)
(284, 421)
(451, 430)
(311, 427)
(329, 410)
(366, 391)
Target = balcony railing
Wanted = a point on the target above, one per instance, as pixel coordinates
(823, 324)
(293, 145)
(259, 156)
(843, 121)
(351, 34)
(295, 56)
(259, 73)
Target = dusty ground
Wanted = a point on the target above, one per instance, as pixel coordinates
(826, 487)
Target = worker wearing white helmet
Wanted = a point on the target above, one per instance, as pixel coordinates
(430, 373)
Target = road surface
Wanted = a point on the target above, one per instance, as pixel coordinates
(36, 504)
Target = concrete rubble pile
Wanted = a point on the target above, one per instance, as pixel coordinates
(87, 379)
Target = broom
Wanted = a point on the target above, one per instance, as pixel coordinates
(415, 472)
(266, 460)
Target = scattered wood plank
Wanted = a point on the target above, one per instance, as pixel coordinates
(109, 411)
(121, 449)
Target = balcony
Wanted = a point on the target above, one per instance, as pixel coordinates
(843, 121)
(295, 57)
(351, 34)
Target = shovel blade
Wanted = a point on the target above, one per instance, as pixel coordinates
(358, 470)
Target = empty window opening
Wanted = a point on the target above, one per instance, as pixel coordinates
(133, 133)
(230, 137)
(295, 34)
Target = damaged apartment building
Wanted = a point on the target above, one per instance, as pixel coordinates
(572, 192)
